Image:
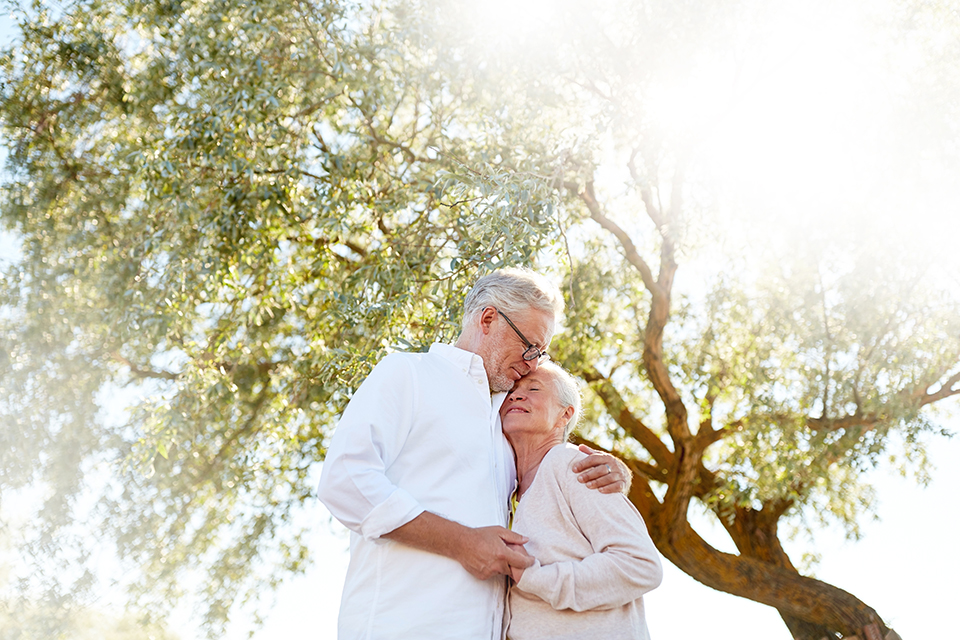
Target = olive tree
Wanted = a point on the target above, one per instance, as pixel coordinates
(805, 352)
(237, 208)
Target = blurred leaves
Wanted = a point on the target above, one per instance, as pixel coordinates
(235, 209)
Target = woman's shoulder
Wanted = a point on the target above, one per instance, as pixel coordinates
(561, 458)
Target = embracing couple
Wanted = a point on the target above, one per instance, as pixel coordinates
(470, 515)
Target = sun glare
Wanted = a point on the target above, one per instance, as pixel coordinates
(506, 20)
(808, 116)
(810, 122)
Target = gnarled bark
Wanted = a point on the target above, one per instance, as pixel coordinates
(808, 606)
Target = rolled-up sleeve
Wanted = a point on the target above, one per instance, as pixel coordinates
(354, 484)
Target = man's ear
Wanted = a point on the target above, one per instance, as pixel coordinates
(487, 316)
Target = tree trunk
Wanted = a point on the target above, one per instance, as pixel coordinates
(810, 608)
(756, 535)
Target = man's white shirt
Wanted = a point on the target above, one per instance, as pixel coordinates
(422, 433)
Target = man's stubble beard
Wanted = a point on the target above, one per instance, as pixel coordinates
(499, 380)
(500, 383)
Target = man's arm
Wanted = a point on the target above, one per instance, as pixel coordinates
(372, 430)
(356, 490)
(484, 552)
(604, 472)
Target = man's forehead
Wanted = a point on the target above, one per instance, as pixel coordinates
(540, 325)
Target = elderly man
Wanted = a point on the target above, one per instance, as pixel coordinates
(420, 472)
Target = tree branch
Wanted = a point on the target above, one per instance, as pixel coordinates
(919, 396)
(249, 426)
(653, 211)
(642, 495)
(688, 464)
(589, 198)
(144, 373)
(617, 408)
(868, 420)
(947, 390)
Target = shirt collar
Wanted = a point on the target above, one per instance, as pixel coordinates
(469, 362)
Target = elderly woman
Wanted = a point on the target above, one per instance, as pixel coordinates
(594, 557)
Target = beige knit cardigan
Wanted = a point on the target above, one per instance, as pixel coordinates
(594, 559)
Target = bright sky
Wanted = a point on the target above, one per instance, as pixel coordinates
(812, 104)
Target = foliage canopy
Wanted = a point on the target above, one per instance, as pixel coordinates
(237, 208)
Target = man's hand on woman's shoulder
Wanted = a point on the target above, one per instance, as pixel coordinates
(602, 471)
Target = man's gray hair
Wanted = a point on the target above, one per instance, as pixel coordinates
(513, 291)
(568, 393)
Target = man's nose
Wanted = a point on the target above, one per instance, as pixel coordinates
(533, 364)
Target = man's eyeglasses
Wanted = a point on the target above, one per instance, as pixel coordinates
(532, 352)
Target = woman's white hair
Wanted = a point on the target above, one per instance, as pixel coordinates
(513, 291)
(568, 393)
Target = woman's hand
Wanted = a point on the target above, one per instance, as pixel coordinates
(516, 572)
(493, 550)
(602, 471)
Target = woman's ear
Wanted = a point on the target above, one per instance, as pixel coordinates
(565, 417)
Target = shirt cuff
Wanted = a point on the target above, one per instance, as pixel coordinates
(396, 511)
(532, 578)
